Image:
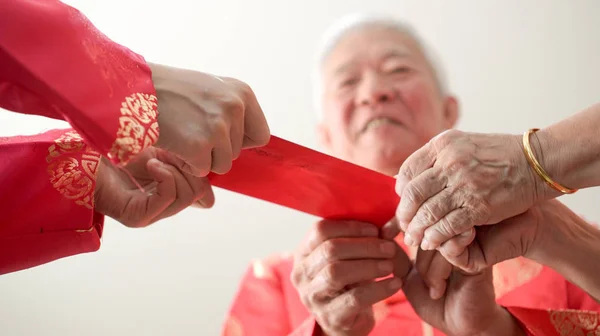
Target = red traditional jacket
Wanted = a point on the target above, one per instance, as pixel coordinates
(55, 63)
(543, 302)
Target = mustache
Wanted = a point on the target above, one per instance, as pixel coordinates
(380, 121)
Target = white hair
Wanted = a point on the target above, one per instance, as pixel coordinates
(336, 32)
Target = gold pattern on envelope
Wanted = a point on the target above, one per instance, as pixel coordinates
(72, 168)
(575, 323)
(514, 273)
(138, 126)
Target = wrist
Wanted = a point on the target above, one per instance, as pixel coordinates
(504, 325)
(569, 246)
(540, 142)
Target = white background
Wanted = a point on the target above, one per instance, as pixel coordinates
(514, 64)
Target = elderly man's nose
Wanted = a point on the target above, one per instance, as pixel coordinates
(375, 91)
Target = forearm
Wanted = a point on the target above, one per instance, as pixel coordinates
(571, 247)
(46, 206)
(55, 63)
(569, 150)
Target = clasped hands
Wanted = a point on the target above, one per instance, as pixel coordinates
(343, 268)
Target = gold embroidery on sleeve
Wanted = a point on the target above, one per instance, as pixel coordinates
(138, 126)
(72, 168)
(514, 273)
(573, 322)
(233, 327)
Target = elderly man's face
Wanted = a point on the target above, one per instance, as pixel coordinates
(381, 99)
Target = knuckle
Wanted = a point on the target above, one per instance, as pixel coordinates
(447, 228)
(412, 194)
(477, 211)
(320, 230)
(220, 128)
(331, 274)
(429, 214)
(331, 319)
(244, 89)
(296, 275)
(199, 142)
(406, 172)
(311, 298)
(329, 250)
(352, 300)
(446, 138)
(233, 104)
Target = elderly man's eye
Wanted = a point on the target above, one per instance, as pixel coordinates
(400, 69)
(348, 82)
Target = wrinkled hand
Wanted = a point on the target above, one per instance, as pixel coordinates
(167, 190)
(468, 307)
(523, 235)
(206, 120)
(461, 180)
(337, 270)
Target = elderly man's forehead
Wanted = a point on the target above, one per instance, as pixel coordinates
(379, 42)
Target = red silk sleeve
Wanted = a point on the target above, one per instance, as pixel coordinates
(46, 202)
(259, 307)
(551, 322)
(55, 63)
(581, 317)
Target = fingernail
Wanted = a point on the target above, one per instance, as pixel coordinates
(408, 240)
(388, 248)
(435, 293)
(425, 246)
(385, 266)
(395, 284)
(370, 231)
(465, 237)
(201, 202)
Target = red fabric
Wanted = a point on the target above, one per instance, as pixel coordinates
(46, 204)
(55, 63)
(540, 299)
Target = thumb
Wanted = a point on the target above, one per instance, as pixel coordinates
(391, 229)
(402, 263)
(417, 293)
(151, 204)
(493, 244)
(198, 166)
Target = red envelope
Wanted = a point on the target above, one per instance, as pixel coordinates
(300, 178)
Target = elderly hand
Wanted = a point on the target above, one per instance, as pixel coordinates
(460, 180)
(206, 120)
(468, 307)
(167, 190)
(336, 273)
(514, 237)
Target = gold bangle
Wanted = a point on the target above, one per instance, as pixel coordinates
(537, 167)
